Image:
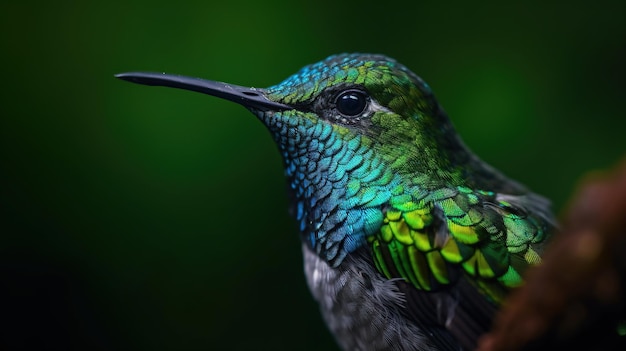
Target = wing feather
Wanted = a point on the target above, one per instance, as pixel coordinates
(432, 240)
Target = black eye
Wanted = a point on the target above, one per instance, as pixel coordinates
(351, 103)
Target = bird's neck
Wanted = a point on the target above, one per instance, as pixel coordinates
(340, 184)
(430, 154)
(338, 188)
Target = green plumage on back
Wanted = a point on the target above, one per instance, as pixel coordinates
(433, 239)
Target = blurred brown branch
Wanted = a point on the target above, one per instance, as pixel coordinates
(576, 299)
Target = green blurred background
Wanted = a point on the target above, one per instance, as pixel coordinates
(138, 218)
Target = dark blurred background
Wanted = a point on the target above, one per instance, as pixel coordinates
(136, 218)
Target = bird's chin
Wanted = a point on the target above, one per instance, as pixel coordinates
(273, 120)
(288, 123)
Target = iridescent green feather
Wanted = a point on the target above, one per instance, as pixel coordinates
(456, 230)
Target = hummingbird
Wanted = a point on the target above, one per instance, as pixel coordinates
(409, 240)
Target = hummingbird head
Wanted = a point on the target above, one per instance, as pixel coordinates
(353, 130)
(380, 102)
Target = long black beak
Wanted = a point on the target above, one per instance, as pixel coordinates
(249, 97)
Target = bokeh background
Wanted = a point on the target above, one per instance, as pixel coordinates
(138, 218)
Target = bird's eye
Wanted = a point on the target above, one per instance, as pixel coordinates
(351, 103)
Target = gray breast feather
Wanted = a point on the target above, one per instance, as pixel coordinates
(362, 309)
